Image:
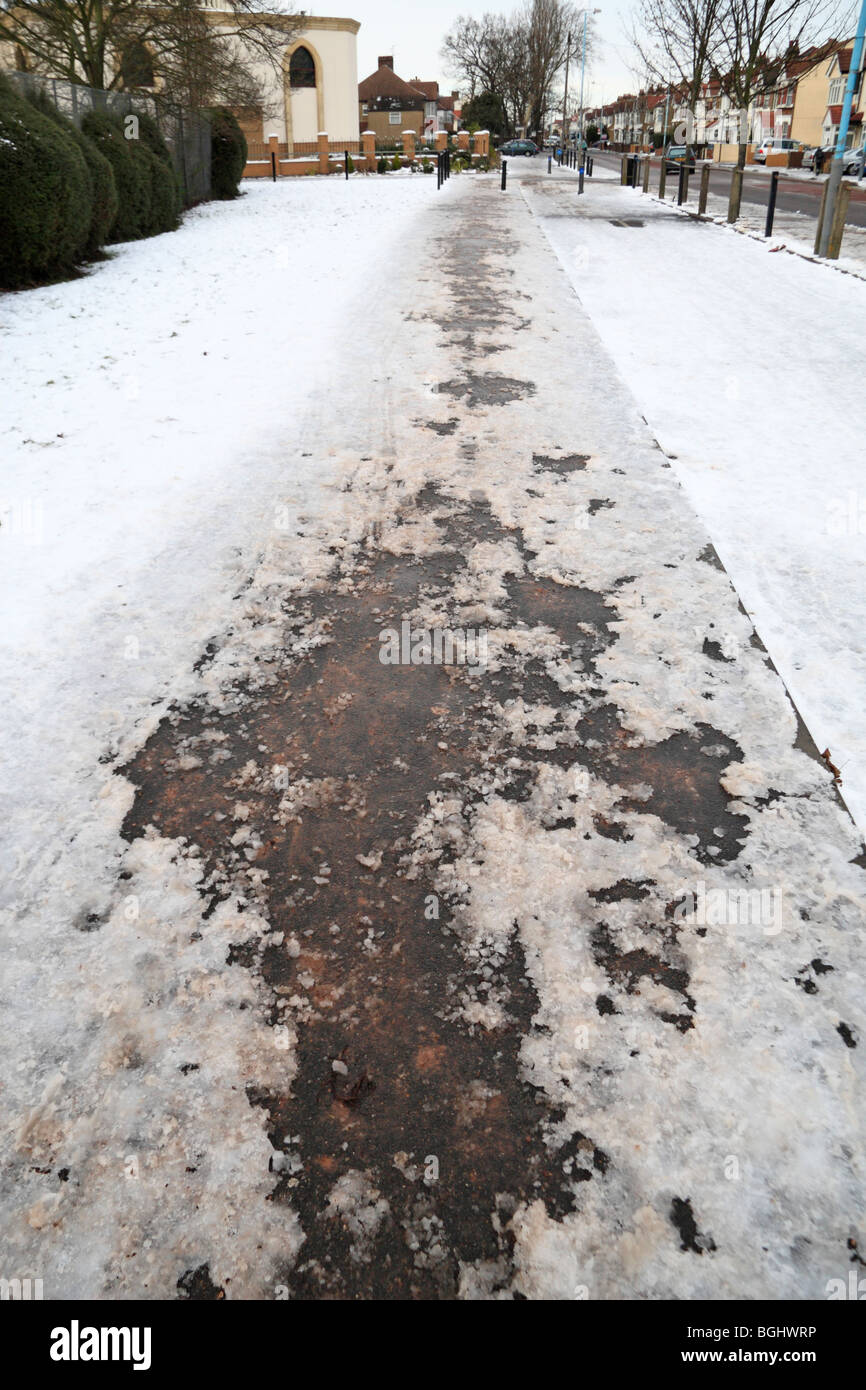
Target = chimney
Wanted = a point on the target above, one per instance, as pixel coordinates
(387, 61)
(455, 96)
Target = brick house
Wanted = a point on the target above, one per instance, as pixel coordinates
(388, 105)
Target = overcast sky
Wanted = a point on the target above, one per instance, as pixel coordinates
(414, 33)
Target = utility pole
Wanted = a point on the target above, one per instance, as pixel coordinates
(839, 154)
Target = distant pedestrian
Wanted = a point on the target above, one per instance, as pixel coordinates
(818, 161)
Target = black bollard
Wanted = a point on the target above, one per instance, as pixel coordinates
(346, 154)
(549, 162)
(273, 167)
(504, 174)
(771, 202)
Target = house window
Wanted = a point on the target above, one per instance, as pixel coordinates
(395, 117)
(836, 91)
(302, 69)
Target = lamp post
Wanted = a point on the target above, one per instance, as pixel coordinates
(839, 154)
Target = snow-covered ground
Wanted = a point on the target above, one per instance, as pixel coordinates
(162, 1108)
(793, 231)
(747, 364)
(151, 439)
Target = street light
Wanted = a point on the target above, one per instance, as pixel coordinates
(839, 154)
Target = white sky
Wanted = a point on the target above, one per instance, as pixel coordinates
(414, 34)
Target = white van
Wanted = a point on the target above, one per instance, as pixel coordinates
(774, 147)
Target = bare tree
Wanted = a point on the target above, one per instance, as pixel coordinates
(199, 57)
(518, 58)
(476, 50)
(553, 27)
(756, 33)
(678, 42)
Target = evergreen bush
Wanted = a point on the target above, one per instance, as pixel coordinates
(46, 196)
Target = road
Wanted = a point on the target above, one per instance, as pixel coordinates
(794, 195)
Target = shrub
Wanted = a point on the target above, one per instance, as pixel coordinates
(102, 186)
(46, 199)
(132, 176)
(164, 201)
(150, 135)
(165, 197)
(382, 165)
(426, 166)
(228, 155)
(350, 164)
(396, 162)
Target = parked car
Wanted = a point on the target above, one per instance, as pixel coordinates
(512, 147)
(852, 161)
(811, 159)
(677, 155)
(773, 147)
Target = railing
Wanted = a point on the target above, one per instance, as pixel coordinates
(636, 169)
(186, 133)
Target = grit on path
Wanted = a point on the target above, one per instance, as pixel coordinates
(536, 977)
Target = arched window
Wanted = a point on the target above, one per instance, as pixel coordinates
(302, 70)
(136, 66)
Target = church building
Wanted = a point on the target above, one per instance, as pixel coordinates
(317, 89)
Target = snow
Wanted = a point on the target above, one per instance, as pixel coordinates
(747, 366)
(134, 1072)
(794, 232)
(150, 443)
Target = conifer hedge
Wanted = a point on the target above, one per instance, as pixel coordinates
(46, 195)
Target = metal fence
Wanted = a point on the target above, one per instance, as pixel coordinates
(187, 135)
